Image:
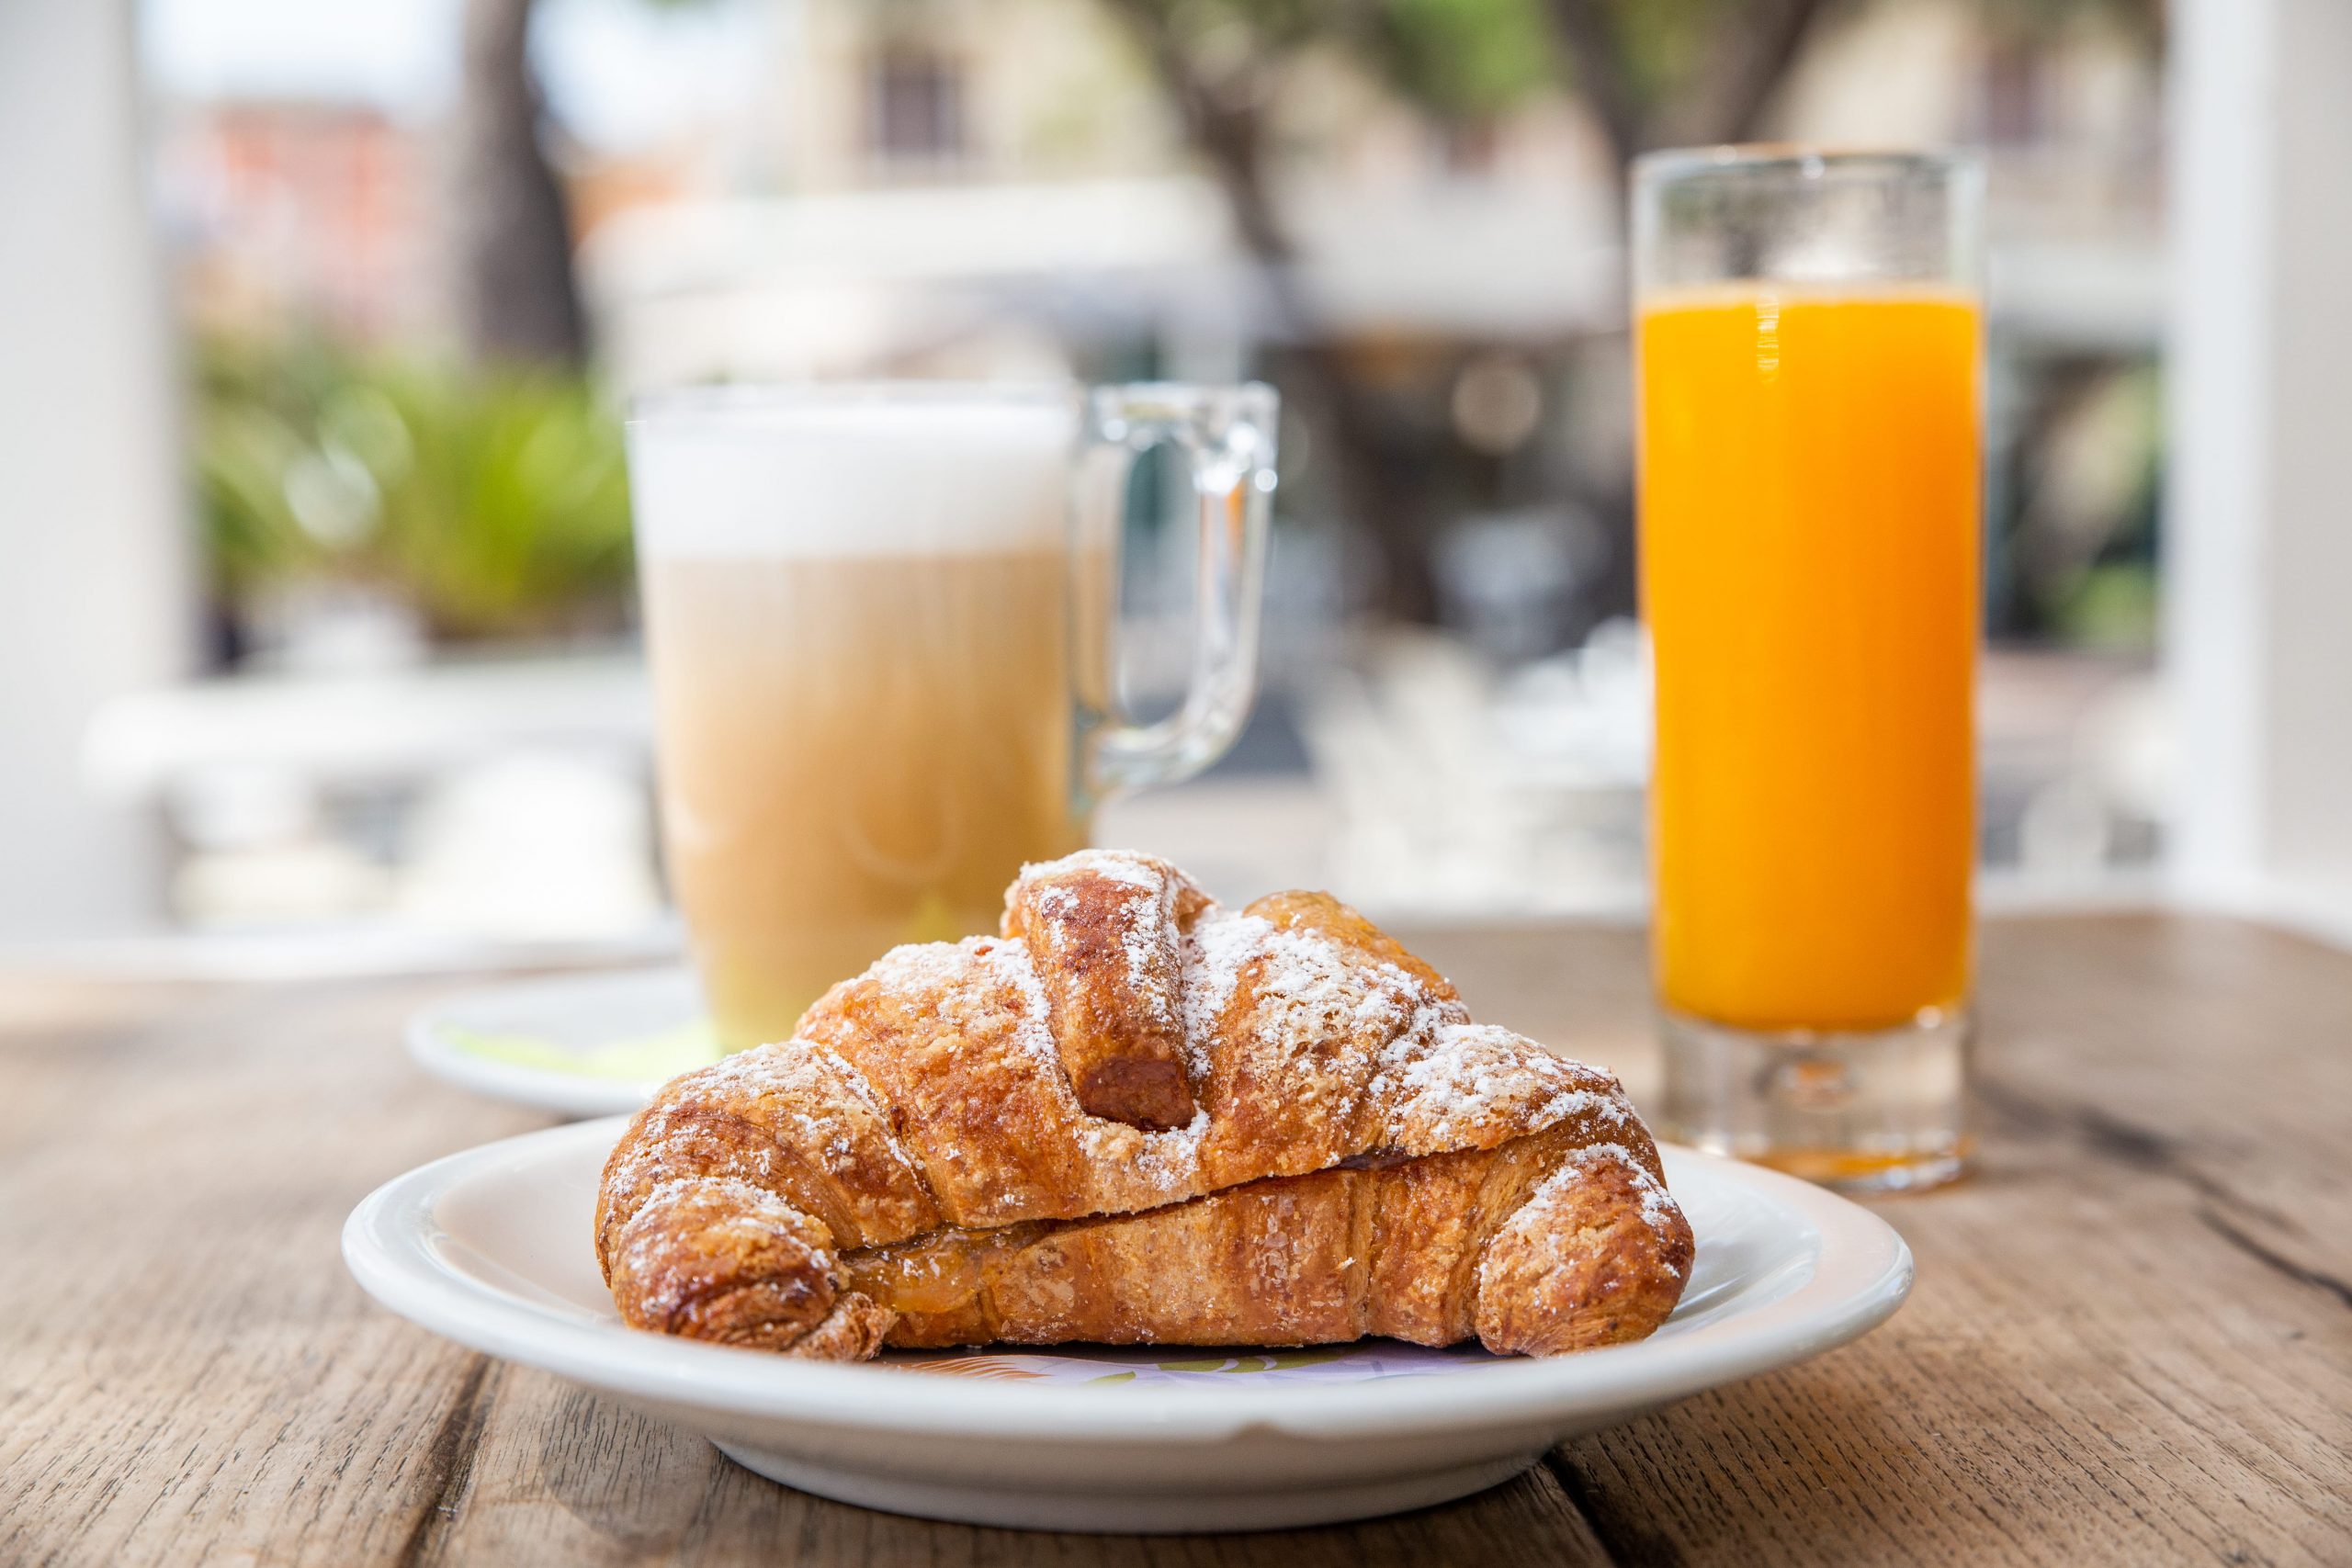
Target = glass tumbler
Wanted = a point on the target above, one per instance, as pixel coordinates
(1808, 333)
(880, 621)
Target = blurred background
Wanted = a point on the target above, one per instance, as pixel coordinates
(316, 634)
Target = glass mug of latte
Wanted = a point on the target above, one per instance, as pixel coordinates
(880, 621)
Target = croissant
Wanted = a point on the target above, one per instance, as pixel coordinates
(1139, 1117)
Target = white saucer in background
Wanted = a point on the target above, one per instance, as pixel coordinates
(491, 1249)
(576, 1044)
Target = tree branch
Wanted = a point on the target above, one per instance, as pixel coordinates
(1743, 66)
(1374, 459)
(1230, 136)
(1590, 40)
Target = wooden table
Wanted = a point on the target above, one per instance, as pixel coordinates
(2131, 1340)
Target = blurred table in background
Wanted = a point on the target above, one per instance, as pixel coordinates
(2130, 1343)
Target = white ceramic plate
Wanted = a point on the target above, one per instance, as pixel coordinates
(575, 1044)
(491, 1249)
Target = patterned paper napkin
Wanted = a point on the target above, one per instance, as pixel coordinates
(1110, 1366)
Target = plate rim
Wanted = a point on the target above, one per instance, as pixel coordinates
(514, 1083)
(1862, 1272)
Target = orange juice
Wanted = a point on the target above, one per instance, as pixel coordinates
(1809, 523)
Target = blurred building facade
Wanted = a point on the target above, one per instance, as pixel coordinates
(316, 212)
(924, 91)
(1006, 188)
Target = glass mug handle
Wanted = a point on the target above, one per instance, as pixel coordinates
(1226, 437)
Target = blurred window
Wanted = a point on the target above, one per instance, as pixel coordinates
(918, 106)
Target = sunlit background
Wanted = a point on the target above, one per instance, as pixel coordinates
(382, 696)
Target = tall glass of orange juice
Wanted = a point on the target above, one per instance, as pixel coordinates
(1807, 338)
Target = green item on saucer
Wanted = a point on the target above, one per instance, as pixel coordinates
(646, 1059)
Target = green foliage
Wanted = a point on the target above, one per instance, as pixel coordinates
(1453, 60)
(1283, 24)
(2113, 605)
(1658, 41)
(1464, 59)
(2142, 21)
(2113, 451)
(495, 502)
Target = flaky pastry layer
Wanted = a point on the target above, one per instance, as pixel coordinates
(980, 1141)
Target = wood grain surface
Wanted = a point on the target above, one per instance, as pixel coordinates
(2130, 1343)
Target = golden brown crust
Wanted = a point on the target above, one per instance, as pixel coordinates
(918, 1165)
(787, 1122)
(1105, 932)
(855, 1330)
(1579, 1265)
(1349, 932)
(721, 1259)
(1431, 1250)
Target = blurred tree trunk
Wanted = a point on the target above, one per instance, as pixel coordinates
(1722, 96)
(1380, 457)
(516, 299)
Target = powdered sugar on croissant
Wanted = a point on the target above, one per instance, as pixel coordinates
(1139, 1116)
